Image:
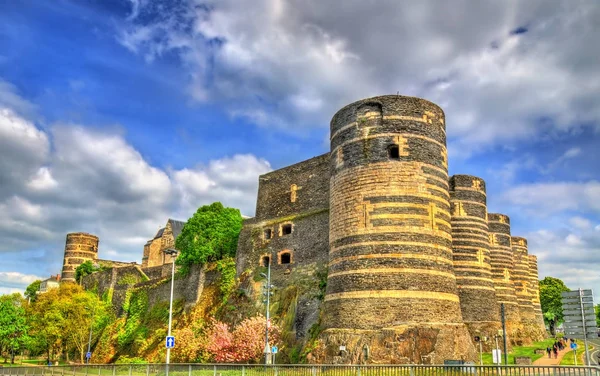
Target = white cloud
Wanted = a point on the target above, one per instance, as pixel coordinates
(75, 178)
(23, 149)
(568, 254)
(231, 178)
(16, 282)
(290, 64)
(542, 199)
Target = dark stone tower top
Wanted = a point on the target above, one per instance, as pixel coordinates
(379, 122)
(467, 183)
(499, 223)
(520, 242)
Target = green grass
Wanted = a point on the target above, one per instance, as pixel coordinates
(569, 359)
(522, 351)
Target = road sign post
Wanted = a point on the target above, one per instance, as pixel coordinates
(579, 317)
(574, 348)
(170, 342)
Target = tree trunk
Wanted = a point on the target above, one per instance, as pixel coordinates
(551, 325)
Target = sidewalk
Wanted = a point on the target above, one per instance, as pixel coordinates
(545, 361)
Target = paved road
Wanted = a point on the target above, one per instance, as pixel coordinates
(596, 351)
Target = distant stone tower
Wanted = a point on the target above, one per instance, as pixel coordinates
(503, 266)
(534, 292)
(471, 254)
(79, 248)
(522, 280)
(391, 290)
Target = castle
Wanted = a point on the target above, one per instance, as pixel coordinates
(415, 265)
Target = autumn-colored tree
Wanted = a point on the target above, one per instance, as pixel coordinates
(246, 343)
(210, 235)
(61, 318)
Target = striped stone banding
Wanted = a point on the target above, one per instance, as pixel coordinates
(390, 217)
(470, 245)
(79, 248)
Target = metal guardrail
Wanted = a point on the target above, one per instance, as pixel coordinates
(297, 370)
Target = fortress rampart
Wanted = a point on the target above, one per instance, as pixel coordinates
(372, 248)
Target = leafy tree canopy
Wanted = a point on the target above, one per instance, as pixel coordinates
(551, 301)
(85, 269)
(598, 315)
(32, 290)
(61, 318)
(210, 235)
(13, 323)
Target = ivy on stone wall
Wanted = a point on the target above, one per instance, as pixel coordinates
(227, 282)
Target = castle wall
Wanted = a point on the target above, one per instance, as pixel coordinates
(390, 258)
(302, 187)
(471, 255)
(295, 196)
(114, 283)
(79, 248)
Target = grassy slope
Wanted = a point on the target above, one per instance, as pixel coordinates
(568, 359)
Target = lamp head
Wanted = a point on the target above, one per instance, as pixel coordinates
(171, 252)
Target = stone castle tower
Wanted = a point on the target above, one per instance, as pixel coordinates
(390, 259)
(472, 257)
(79, 248)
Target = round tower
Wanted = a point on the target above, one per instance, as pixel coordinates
(503, 265)
(534, 292)
(471, 255)
(79, 248)
(390, 262)
(522, 280)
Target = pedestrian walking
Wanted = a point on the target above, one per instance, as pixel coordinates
(549, 352)
(555, 350)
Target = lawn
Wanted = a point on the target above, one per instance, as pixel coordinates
(522, 351)
(569, 359)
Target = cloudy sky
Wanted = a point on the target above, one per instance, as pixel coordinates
(116, 115)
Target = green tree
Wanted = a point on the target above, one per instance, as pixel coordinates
(551, 301)
(210, 235)
(13, 324)
(32, 290)
(598, 315)
(84, 269)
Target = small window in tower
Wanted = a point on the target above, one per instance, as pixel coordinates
(286, 229)
(285, 258)
(268, 233)
(264, 261)
(394, 152)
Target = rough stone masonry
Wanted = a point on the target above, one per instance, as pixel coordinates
(414, 260)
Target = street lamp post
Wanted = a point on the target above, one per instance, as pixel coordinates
(87, 358)
(173, 253)
(267, 315)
